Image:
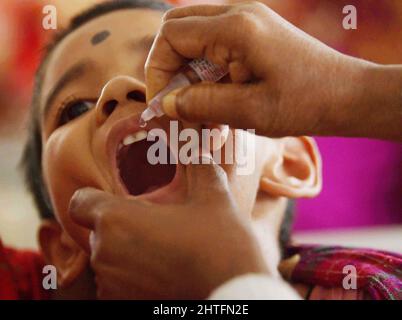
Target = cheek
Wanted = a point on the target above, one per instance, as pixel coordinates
(249, 155)
(243, 183)
(244, 189)
(67, 166)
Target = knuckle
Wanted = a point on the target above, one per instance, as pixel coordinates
(251, 6)
(152, 63)
(104, 218)
(100, 202)
(167, 27)
(110, 220)
(243, 26)
(243, 18)
(169, 14)
(254, 5)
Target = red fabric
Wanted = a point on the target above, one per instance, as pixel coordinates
(379, 273)
(28, 40)
(21, 275)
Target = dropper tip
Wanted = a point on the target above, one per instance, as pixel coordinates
(143, 123)
(147, 115)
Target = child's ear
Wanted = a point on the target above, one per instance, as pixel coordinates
(62, 252)
(294, 170)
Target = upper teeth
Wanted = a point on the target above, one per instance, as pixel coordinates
(135, 137)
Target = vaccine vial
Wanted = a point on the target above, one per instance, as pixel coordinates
(196, 71)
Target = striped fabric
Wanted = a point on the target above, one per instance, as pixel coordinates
(378, 273)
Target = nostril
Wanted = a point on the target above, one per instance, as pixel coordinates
(109, 107)
(136, 95)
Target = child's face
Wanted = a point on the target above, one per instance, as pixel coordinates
(97, 75)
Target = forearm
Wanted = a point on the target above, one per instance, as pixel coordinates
(383, 104)
(369, 104)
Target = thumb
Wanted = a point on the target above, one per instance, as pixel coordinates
(87, 204)
(206, 177)
(237, 105)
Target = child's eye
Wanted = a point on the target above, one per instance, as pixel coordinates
(74, 110)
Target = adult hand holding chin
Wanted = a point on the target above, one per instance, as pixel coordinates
(142, 250)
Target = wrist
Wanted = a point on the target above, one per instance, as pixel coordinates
(368, 102)
(382, 105)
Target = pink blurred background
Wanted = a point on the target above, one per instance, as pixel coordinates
(362, 178)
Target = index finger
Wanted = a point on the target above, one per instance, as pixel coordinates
(196, 10)
(162, 64)
(184, 35)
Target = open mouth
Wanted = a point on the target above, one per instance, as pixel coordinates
(136, 172)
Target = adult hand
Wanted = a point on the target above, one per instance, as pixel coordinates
(141, 250)
(283, 82)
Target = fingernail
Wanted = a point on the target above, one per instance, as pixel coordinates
(74, 201)
(169, 104)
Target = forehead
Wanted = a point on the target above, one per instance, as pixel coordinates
(126, 30)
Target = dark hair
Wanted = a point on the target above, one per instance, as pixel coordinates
(286, 226)
(31, 161)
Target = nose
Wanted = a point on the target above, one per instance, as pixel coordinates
(116, 93)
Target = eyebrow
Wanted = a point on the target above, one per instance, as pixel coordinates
(72, 74)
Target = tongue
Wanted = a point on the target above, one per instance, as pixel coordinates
(138, 175)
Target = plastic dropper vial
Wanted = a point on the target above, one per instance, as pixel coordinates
(196, 71)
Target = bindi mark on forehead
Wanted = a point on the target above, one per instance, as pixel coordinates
(100, 37)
